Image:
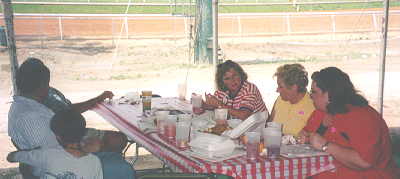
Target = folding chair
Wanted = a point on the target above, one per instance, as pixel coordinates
(164, 168)
(25, 170)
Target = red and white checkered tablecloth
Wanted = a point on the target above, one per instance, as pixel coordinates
(126, 118)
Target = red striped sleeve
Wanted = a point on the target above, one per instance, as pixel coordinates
(249, 97)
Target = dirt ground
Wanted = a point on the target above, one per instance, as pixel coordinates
(83, 69)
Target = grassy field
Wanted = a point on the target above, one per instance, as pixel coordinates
(62, 9)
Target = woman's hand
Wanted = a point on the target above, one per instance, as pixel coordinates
(303, 137)
(345, 155)
(317, 141)
(327, 120)
(212, 101)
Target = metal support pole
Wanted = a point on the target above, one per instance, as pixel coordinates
(215, 31)
(12, 49)
(385, 20)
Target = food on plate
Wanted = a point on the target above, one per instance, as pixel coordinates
(219, 129)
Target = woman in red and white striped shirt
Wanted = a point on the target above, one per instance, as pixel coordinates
(234, 93)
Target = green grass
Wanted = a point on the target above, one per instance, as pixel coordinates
(347, 6)
(66, 9)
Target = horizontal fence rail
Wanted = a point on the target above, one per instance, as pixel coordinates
(174, 2)
(69, 26)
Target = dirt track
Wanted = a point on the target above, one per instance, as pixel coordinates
(177, 27)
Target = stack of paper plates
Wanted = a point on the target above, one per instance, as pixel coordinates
(212, 145)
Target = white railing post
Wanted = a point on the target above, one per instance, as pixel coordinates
(174, 27)
(333, 26)
(186, 30)
(289, 29)
(126, 27)
(60, 28)
(41, 31)
(112, 32)
(240, 26)
(375, 23)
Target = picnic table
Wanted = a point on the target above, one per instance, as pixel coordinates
(128, 119)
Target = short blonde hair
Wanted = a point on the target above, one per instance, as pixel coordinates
(293, 74)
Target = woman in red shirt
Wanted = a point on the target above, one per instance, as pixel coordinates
(358, 137)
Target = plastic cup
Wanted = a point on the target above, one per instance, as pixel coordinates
(193, 133)
(184, 117)
(252, 145)
(220, 116)
(182, 91)
(170, 127)
(161, 116)
(275, 125)
(272, 141)
(197, 101)
(182, 133)
(146, 101)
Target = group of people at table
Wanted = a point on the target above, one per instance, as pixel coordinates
(51, 137)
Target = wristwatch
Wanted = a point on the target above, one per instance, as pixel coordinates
(325, 146)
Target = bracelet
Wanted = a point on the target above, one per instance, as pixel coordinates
(325, 146)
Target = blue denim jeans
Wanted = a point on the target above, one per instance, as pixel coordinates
(115, 166)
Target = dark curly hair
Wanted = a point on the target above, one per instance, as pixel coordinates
(223, 68)
(340, 89)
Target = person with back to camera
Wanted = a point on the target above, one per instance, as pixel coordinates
(29, 120)
(293, 106)
(234, 93)
(358, 137)
(68, 161)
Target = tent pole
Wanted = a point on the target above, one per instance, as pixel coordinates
(382, 64)
(215, 32)
(12, 50)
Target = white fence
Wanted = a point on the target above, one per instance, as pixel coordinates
(64, 26)
(191, 2)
